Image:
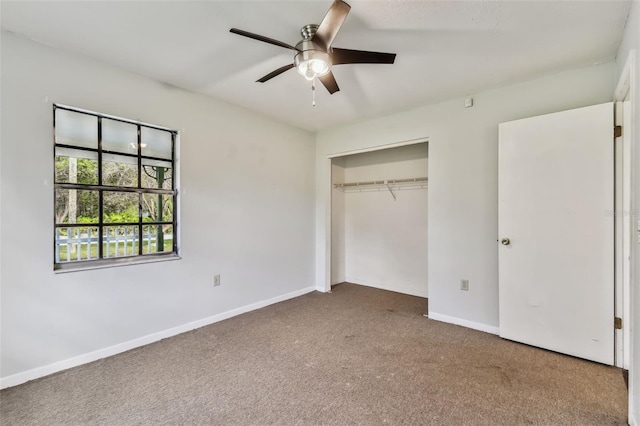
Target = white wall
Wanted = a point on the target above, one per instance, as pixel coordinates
(463, 181)
(631, 41)
(247, 206)
(383, 242)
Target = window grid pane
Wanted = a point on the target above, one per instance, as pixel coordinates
(76, 166)
(120, 241)
(76, 129)
(76, 206)
(106, 194)
(76, 244)
(119, 137)
(118, 170)
(156, 143)
(157, 239)
(120, 207)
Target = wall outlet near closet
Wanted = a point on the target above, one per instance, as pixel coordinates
(216, 280)
(464, 285)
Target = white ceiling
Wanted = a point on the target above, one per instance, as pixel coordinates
(445, 49)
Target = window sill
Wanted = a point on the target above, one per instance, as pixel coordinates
(62, 268)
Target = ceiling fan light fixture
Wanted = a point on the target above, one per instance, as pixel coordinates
(319, 66)
(312, 63)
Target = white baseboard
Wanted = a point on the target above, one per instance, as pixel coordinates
(38, 372)
(380, 286)
(465, 323)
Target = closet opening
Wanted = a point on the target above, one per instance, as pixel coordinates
(379, 205)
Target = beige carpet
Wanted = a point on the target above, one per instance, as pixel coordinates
(355, 356)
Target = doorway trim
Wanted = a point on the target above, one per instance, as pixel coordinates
(624, 190)
(626, 92)
(326, 285)
(379, 147)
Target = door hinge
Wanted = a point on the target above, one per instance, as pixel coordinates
(617, 323)
(617, 131)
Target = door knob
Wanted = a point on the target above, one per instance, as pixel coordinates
(505, 242)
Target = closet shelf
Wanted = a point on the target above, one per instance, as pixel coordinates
(380, 185)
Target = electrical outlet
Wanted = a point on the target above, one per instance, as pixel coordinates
(216, 280)
(464, 285)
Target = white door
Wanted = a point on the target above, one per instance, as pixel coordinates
(556, 287)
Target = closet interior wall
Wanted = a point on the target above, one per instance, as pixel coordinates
(378, 236)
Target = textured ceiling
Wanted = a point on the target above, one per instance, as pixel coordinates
(445, 49)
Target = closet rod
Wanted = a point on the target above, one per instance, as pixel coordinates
(380, 182)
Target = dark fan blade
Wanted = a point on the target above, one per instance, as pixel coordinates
(331, 24)
(262, 38)
(275, 73)
(329, 81)
(347, 56)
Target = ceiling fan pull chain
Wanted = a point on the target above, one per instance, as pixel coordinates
(313, 92)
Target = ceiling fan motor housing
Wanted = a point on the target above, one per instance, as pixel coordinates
(311, 61)
(308, 31)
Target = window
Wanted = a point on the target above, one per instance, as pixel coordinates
(114, 190)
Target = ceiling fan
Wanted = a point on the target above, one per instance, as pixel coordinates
(314, 55)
